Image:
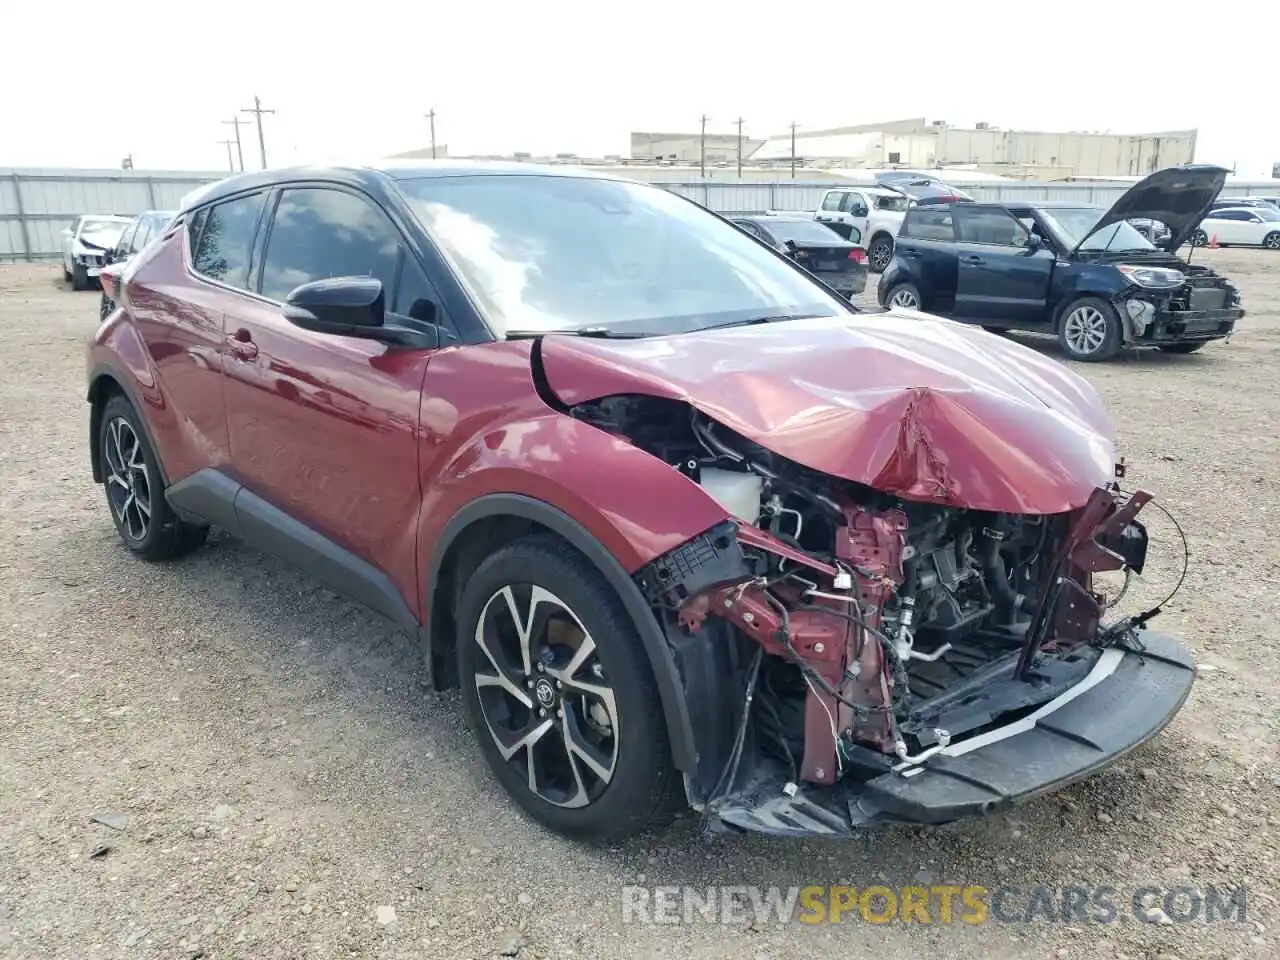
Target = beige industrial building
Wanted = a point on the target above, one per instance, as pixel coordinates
(722, 148)
(919, 144)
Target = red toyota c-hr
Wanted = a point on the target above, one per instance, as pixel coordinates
(684, 525)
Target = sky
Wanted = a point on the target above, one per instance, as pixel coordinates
(85, 84)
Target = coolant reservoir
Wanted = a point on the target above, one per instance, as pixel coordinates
(739, 493)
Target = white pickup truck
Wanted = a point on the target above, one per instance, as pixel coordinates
(871, 214)
(875, 212)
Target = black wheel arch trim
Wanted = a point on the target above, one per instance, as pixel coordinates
(670, 690)
(106, 371)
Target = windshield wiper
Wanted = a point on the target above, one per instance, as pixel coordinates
(778, 318)
(600, 333)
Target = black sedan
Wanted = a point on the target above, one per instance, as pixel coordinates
(840, 264)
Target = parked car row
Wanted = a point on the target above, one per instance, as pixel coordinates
(685, 526)
(95, 241)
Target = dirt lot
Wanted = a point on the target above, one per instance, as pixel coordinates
(287, 786)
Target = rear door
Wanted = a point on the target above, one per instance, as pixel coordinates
(1000, 278)
(926, 251)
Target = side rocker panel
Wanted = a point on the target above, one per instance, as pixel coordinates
(212, 496)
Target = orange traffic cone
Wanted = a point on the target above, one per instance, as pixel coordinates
(1213, 242)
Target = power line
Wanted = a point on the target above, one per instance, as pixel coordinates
(431, 115)
(258, 110)
(236, 121)
(702, 146)
(740, 122)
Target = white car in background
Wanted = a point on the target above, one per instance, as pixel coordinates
(1241, 226)
(85, 245)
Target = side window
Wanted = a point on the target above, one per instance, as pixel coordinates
(226, 241)
(985, 225)
(856, 204)
(320, 233)
(125, 245)
(415, 297)
(929, 223)
(141, 238)
(751, 228)
(832, 200)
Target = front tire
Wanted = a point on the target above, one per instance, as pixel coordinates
(79, 277)
(135, 493)
(1199, 238)
(1090, 330)
(105, 307)
(560, 695)
(880, 253)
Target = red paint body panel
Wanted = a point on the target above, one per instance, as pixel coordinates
(169, 344)
(485, 430)
(925, 409)
(325, 428)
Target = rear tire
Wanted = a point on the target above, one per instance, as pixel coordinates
(603, 701)
(1090, 330)
(1272, 240)
(1181, 347)
(880, 253)
(904, 296)
(135, 493)
(105, 308)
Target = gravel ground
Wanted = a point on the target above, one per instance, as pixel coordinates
(286, 790)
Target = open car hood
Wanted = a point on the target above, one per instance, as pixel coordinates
(1179, 197)
(922, 408)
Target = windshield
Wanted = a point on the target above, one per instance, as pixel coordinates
(801, 231)
(1077, 223)
(545, 253)
(98, 229)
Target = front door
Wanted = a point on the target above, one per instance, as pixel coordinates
(322, 427)
(1001, 278)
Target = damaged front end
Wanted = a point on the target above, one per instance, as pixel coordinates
(850, 657)
(1180, 303)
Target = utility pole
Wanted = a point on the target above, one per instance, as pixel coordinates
(236, 121)
(257, 110)
(231, 161)
(431, 116)
(740, 122)
(793, 149)
(127, 163)
(702, 146)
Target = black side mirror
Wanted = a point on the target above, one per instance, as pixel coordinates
(343, 306)
(790, 245)
(355, 307)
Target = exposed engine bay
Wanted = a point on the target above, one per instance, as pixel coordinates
(833, 633)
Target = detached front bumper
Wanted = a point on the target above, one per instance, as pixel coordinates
(1126, 699)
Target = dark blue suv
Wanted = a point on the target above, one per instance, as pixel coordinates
(1080, 272)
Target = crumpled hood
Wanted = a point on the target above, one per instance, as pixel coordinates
(919, 407)
(1179, 197)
